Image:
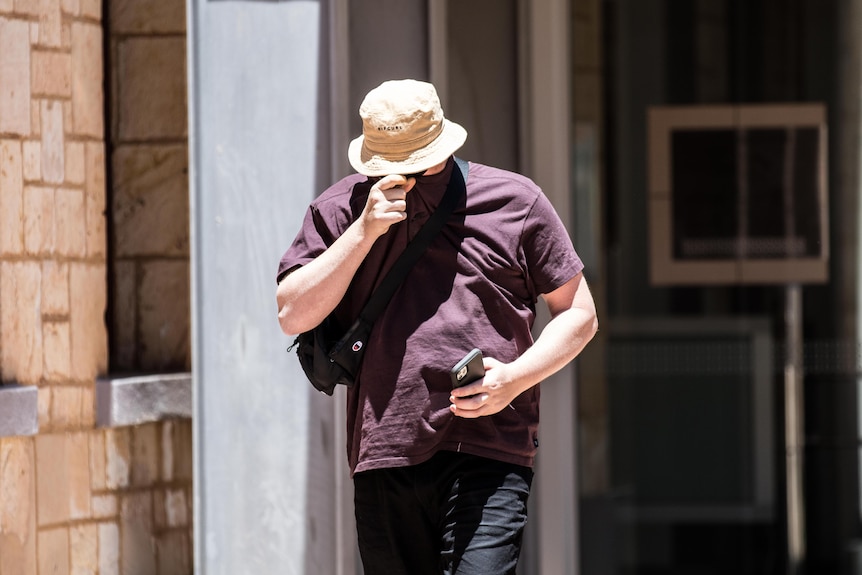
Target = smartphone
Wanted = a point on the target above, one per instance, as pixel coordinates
(468, 370)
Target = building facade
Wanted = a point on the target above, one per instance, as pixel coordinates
(156, 158)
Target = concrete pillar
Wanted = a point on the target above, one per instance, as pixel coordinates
(263, 446)
(548, 162)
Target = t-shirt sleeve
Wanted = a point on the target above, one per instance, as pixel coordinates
(311, 241)
(548, 251)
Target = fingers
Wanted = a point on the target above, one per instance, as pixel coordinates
(472, 400)
(469, 391)
(474, 406)
(394, 188)
(395, 198)
(387, 203)
(393, 181)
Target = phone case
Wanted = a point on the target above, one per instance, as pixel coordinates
(468, 369)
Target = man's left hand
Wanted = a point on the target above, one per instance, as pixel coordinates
(484, 396)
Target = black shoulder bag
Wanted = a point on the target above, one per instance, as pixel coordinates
(329, 357)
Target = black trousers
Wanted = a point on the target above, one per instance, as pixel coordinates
(454, 514)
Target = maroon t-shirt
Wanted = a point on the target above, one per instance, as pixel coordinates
(475, 286)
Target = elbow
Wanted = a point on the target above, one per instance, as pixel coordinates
(295, 319)
(288, 321)
(284, 322)
(594, 326)
(591, 326)
(285, 317)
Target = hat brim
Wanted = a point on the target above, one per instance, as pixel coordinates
(369, 163)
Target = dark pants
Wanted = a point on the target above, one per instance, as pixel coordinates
(454, 514)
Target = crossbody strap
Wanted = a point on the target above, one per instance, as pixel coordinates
(384, 292)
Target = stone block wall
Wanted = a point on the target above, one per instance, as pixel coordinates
(52, 202)
(104, 502)
(75, 499)
(150, 316)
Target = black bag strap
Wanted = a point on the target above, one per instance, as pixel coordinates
(384, 292)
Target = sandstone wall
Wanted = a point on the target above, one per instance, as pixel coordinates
(75, 499)
(150, 316)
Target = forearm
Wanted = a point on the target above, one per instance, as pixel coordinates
(309, 293)
(562, 339)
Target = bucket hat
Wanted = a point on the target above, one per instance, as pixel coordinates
(403, 130)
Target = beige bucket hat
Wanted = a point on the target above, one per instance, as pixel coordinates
(403, 130)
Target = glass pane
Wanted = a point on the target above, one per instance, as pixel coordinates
(692, 419)
(705, 194)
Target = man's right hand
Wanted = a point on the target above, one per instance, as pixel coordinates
(386, 204)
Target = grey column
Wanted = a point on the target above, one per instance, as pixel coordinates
(264, 453)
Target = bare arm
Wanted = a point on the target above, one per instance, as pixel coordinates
(573, 324)
(309, 293)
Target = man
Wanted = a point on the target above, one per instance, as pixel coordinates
(441, 476)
